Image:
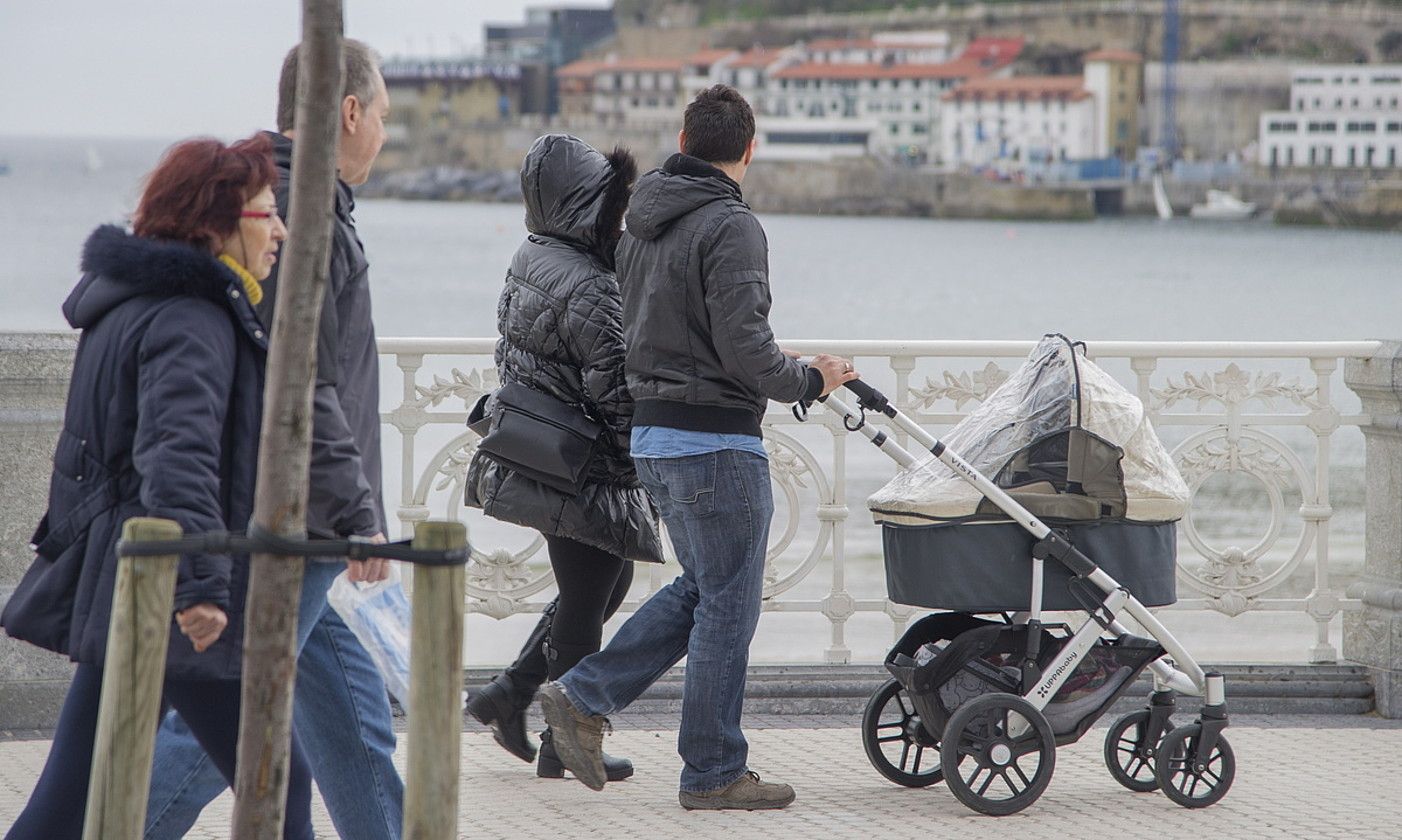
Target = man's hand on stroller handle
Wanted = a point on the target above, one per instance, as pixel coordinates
(836, 370)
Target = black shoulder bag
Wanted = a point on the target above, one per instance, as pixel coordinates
(536, 435)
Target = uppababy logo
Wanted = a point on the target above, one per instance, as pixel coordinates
(1045, 688)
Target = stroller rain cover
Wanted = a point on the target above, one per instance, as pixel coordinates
(1062, 437)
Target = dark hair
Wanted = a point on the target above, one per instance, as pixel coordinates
(360, 77)
(719, 125)
(196, 192)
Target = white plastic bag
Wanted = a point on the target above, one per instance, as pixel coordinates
(378, 615)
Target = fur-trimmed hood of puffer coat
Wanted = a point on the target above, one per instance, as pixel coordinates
(561, 322)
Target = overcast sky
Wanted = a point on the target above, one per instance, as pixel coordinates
(171, 68)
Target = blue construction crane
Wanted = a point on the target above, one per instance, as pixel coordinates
(1170, 86)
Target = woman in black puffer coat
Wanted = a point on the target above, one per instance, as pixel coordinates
(561, 323)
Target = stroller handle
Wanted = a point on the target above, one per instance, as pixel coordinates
(870, 398)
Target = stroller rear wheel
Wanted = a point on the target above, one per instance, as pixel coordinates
(999, 754)
(1129, 754)
(1192, 780)
(896, 742)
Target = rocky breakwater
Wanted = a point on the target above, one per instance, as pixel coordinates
(444, 183)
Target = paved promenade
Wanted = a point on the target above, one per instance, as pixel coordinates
(1298, 777)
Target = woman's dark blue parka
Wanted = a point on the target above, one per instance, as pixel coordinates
(162, 420)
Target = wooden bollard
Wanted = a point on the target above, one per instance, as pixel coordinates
(132, 676)
(435, 689)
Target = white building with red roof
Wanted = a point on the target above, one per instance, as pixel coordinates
(1027, 119)
(631, 90)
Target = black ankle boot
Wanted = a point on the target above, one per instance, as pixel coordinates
(548, 765)
(499, 705)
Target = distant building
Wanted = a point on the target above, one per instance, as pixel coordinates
(782, 138)
(432, 94)
(880, 48)
(1021, 119)
(751, 72)
(1029, 119)
(1341, 116)
(1115, 78)
(901, 100)
(635, 90)
(705, 68)
(550, 37)
(885, 86)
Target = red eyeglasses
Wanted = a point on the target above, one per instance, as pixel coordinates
(257, 214)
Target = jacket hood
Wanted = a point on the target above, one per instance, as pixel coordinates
(118, 266)
(664, 195)
(575, 193)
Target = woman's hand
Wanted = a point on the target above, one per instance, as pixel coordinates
(202, 624)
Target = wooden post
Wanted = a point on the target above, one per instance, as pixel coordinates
(280, 505)
(132, 675)
(435, 689)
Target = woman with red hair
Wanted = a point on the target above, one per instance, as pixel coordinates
(163, 417)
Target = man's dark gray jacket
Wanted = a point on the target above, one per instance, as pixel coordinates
(693, 268)
(345, 478)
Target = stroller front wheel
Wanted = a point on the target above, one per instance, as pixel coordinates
(999, 754)
(1190, 779)
(897, 743)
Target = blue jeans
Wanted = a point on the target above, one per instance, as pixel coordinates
(717, 507)
(342, 719)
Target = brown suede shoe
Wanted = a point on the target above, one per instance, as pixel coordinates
(746, 793)
(578, 738)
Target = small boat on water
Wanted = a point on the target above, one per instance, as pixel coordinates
(93, 163)
(1222, 206)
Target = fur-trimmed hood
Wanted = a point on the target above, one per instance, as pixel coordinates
(118, 266)
(575, 193)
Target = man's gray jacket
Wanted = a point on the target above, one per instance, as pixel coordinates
(345, 478)
(693, 268)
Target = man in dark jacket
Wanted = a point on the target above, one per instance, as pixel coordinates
(702, 364)
(341, 709)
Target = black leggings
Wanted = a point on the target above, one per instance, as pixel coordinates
(211, 710)
(592, 585)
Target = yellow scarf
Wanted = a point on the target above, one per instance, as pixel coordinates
(250, 285)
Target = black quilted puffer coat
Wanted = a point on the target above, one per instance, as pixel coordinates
(561, 323)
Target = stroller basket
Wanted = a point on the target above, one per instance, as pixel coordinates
(947, 659)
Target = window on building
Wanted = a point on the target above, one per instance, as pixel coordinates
(1275, 156)
(783, 84)
(1352, 156)
(1328, 155)
(1394, 128)
(895, 128)
(915, 106)
(1368, 156)
(919, 128)
(1299, 105)
(635, 102)
(1289, 155)
(1122, 130)
(1391, 155)
(1316, 102)
(1312, 156)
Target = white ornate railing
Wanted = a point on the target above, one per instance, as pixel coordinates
(1230, 411)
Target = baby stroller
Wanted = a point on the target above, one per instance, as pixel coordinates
(983, 693)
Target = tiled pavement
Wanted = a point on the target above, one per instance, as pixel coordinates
(1300, 777)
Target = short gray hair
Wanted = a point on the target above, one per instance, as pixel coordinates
(360, 67)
